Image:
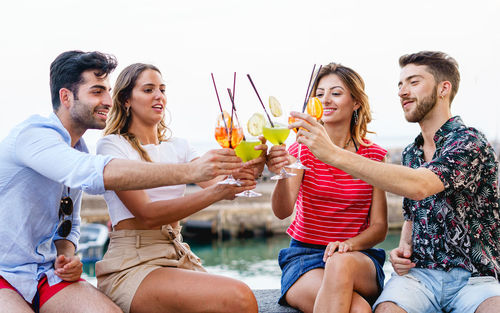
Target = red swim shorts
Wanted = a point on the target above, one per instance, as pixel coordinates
(44, 290)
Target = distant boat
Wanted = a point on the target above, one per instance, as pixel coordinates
(94, 240)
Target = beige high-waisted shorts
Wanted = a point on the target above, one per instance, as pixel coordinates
(133, 254)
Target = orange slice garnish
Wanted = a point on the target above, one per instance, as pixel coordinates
(315, 108)
(227, 119)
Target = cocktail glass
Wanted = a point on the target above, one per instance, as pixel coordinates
(314, 109)
(246, 152)
(297, 164)
(277, 135)
(228, 134)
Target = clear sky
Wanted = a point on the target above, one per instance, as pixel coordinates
(277, 42)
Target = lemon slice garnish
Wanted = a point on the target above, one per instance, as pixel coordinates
(255, 124)
(275, 107)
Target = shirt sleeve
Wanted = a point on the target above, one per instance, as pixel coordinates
(111, 145)
(459, 163)
(44, 150)
(191, 152)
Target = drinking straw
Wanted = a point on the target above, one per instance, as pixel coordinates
(220, 106)
(231, 96)
(234, 86)
(307, 90)
(258, 96)
(232, 100)
(310, 91)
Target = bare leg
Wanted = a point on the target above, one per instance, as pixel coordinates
(489, 305)
(176, 290)
(303, 292)
(359, 304)
(388, 307)
(11, 301)
(80, 297)
(345, 273)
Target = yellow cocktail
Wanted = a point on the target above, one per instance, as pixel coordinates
(277, 134)
(245, 150)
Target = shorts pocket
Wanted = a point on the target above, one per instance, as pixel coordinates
(482, 280)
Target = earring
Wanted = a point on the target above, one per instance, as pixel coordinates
(128, 111)
(355, 116)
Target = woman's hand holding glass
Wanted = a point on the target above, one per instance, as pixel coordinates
(256, 159)
(229, 192)
(314, 109)
(277, 158)
(277, 133)
(253, 152)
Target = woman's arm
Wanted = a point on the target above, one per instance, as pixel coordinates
(286, 190)
(375, 233)
(157, 213)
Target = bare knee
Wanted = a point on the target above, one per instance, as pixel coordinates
(242, 299)
(489, 305)
(388, 307)
(340, 266)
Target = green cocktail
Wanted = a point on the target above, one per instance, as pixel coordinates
(245, 150)
(277, 134)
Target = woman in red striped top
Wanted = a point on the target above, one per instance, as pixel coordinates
(331, 265)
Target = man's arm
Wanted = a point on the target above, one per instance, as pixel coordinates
(121, 174)
(44, 151)
(415, 184)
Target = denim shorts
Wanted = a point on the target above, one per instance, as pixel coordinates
(431, 290)
(301, 257)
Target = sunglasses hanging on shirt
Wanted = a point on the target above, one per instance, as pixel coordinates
(65, 209)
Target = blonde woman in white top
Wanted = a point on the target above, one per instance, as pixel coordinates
(147, 267)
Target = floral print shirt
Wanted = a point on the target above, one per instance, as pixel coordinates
(458, 227)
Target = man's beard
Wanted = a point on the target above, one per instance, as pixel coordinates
(423, 107)
(84, 117)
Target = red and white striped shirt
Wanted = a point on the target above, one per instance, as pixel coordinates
(331, 204)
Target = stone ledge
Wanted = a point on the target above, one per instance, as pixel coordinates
(267, 300)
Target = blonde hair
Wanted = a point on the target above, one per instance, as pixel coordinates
(356, 85)
(119, 120)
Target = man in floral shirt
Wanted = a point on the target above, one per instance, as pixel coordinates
(447, 259)
(457, 227)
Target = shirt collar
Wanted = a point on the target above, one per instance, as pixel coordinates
(449, 126)
(80, 144)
